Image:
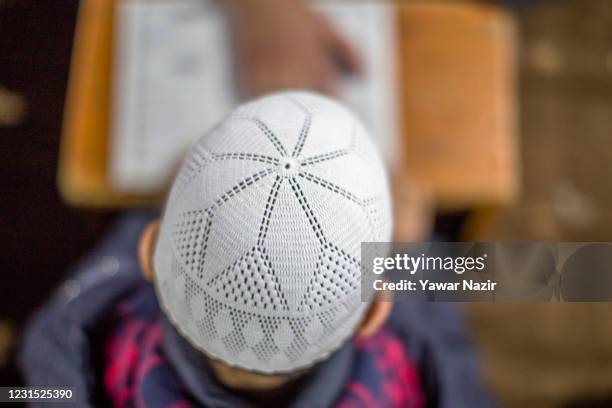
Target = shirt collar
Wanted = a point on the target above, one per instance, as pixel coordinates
(322, 387)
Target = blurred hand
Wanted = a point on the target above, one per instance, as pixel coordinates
(281, 44)
(414, 208)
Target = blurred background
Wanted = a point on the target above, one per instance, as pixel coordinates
(504, 118)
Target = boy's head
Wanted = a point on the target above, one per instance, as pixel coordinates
(257, 259)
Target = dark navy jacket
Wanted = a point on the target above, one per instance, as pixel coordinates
(60, 343)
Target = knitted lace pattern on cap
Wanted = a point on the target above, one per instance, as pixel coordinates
(258, 258)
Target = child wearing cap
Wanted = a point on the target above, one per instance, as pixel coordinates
(251, 293)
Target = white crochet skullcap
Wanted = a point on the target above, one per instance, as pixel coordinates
(258, 258)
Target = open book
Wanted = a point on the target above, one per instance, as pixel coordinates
(173, 80)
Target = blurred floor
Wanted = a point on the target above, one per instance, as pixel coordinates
(40, 236)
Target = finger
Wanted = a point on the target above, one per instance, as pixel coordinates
(345, 54)
(325, 79)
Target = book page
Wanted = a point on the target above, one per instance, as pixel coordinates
(174, 81)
